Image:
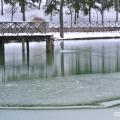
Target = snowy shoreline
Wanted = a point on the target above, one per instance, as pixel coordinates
(87, 35)
(73, 35)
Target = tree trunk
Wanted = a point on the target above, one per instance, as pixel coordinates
(22, 4)
(1, 7)
(89, 14)
(12, 13)
(51, 17)
(75, 17)
(24, 11)
(102, 12)
(61, 19)
(71, 18)
(77, 14)
(39, 3)
(116, 8)
(116, 16)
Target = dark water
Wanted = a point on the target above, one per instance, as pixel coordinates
(78, 73)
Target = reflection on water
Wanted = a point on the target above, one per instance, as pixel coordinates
(70, 58)
(68, 73)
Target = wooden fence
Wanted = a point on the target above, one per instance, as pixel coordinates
(94, 26)
(23, 27)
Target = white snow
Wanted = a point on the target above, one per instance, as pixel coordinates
(73, 35)
(26, 34)
(34, 12)
(31, 13)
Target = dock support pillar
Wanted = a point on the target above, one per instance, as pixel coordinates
(62, 59)
(2, 56)
(2, 60)
(23, 50)
(50, 45)
(28, 55)
(27, 48)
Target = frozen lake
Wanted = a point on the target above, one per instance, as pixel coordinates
(80, 74)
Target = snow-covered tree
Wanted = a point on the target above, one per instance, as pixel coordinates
(22, 4)
(104, 4)
(58, 5)
(39, 1)
(12, 10)
(117, 7)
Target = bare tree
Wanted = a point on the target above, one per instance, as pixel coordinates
(12, 10)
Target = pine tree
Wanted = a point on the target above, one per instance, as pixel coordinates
(22, 4)
(117, 7)
(12, 9)
(56, 5)
(50, 7)
(105, 4)
(91, 4)
(39, 1)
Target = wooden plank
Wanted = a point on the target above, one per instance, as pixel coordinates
(25, 37)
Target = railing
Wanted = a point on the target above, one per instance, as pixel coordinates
(23, 27)
(86, 26)
(42, 27)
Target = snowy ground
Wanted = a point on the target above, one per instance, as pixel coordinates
(31, 13)
(74, 35)
(34, 12)
(83, 114)
(86, 35)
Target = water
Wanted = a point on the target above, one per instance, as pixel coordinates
(80, 74)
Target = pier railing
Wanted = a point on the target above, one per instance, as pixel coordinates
(23, 27)
(42, 27)
(86, 26)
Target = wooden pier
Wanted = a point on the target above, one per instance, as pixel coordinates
(25, 32)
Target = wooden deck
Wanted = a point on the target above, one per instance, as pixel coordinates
(26, 37)
(26, 32)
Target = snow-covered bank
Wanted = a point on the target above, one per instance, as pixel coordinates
(88, 35)
(32, 12)
(73, 35)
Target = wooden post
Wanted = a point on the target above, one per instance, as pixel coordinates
(90, 51)
(23, 50)
(27, 48)
(28, 53)
(49, 58)
(62, 59)
(49, 45)
(2, 60)
(103, 59)
(117, 58)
